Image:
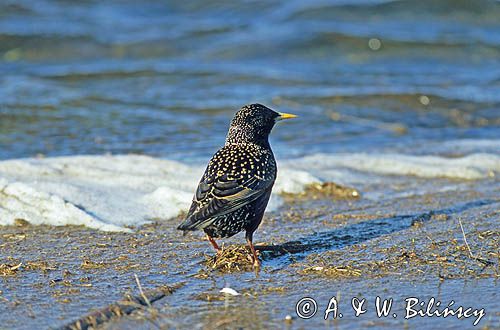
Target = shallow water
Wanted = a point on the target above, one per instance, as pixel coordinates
(165, 78)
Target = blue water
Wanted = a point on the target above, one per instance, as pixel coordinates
(164, 78)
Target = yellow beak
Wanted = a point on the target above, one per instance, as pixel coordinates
(283, 115)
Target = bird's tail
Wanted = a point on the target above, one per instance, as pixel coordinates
(187, 225)
(190, 224)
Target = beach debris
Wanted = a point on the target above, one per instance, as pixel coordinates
(42, 265)
(21, 222)
(89, 264)
(325, 190)
(232, 258)
(9, 270)
(334, 271)
(446, 259)
(121, 308)
(484, 261)
(230, 291)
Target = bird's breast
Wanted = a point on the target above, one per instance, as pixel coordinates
(242, 162)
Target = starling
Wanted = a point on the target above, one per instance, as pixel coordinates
(235, 188)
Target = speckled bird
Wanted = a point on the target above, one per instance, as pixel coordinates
(234, 191)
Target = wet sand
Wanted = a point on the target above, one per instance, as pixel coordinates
(317, 245)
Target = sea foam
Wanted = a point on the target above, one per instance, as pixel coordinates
(117, 193)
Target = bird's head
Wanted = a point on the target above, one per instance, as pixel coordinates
(253, 123)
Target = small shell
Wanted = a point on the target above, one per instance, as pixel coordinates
(230, 291)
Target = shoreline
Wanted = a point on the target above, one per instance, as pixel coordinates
(344, 244)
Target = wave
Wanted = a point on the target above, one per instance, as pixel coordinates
(297, 9)
(117, 193)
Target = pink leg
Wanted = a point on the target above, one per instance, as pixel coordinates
(256, 262)
(214, 243)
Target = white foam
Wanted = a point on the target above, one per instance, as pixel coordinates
(459, 146)
(112, 193)
(101, 192)
(20, 201)
(470, 167)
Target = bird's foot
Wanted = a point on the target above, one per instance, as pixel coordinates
(256, 264)
(256, 261)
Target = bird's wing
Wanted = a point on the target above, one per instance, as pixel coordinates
(216, 196)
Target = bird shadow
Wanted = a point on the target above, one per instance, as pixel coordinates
(356, 233)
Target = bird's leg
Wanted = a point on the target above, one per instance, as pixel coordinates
(256, 262)
(214, 243)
